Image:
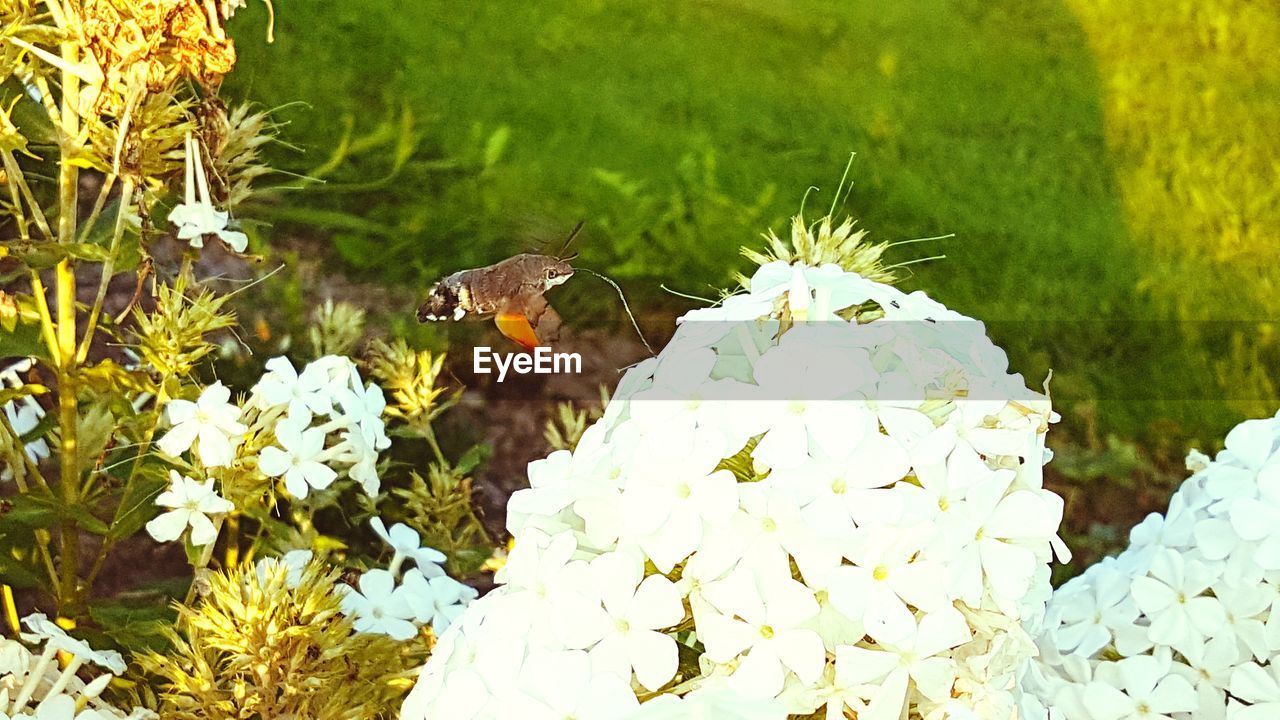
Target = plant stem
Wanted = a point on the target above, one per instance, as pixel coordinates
(430, 434)
(65, 277)
(18, 185)
(10, 609)
(46, 319)
(143, 448)
(231, 558)
(104, 192)
(68, 419)
(198, 570)
(108, 267)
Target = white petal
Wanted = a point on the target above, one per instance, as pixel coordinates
(654, 657)
(803, 652)
(179, 439)
(273, 462)
(169, 526)
(656, 605)
(202, 530)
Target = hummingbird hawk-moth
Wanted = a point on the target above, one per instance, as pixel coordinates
(511, 292)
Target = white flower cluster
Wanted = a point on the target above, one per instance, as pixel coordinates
(783, 512)
(1185, 623)
(325, 420)
(23, 414)
(327, 400)
(32, 687)
(425, 595)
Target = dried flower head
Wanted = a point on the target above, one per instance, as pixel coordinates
(158, 41)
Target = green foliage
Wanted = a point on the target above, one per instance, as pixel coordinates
(335, 329)
(567, 424)
(666, 127)
(173, 338)
(439, 507)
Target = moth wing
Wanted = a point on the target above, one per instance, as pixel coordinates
(546, 322)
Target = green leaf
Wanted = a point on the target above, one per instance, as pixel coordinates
(137, 506)
(87, 251)
(8, 395)
(41, 510)
(194, 553)
(357, 250)
(31, 119)
(134, 626)
(23, 341)
(44, 255)
(82, 517)
(31, 510)
(18, 571)
(95, 427)
(472, 459)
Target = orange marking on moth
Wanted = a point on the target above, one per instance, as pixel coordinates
(517, 328)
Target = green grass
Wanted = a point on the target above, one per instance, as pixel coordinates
(982, 119)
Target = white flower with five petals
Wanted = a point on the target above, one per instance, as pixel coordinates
(194, 504)
(211, 425)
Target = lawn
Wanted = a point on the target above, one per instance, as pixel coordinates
(678, 130)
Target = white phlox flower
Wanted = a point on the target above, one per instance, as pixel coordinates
(1190, 608)
(195, 216)
(23, 414)
(312, 392)
(195, 504)
(37, 687)
(914, 665)
(325, 420)
(830, 516)
(211, 425)
(379, 606)
(299, 460)
(633, 611)
(762, 617)
(407, 544)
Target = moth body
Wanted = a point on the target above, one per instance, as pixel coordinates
(510, 291)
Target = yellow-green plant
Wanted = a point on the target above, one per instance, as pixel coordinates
(103, 106)
(107, 427)
(438, 505)
(272, 642)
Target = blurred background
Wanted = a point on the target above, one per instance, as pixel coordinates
(1109, 173)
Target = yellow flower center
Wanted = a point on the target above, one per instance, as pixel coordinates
(766, 631)
(881, 573)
